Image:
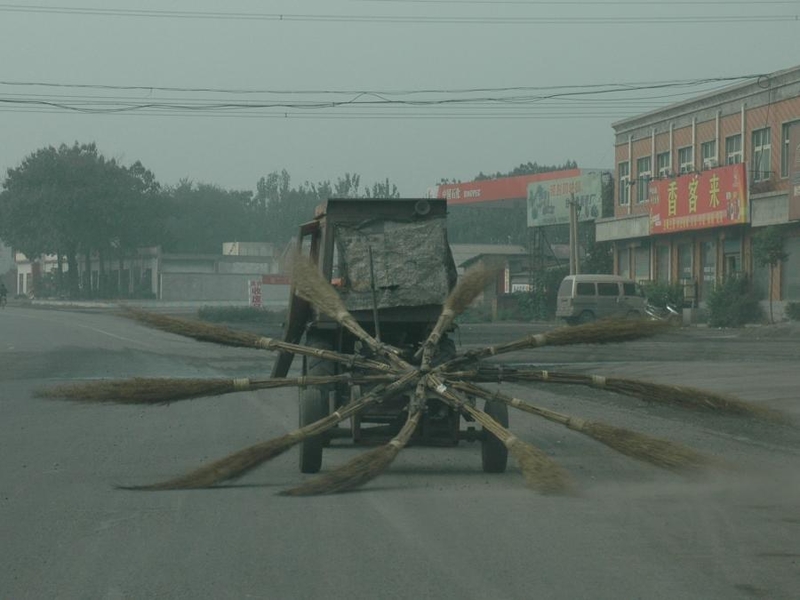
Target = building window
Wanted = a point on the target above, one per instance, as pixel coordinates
(762, 150)
(686, 159)
(733, 149)
(643, 176)
(708, 152)
(785, 148)
(624, 180)
(664, 164)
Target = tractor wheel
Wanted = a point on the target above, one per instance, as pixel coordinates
(494, 454)
(313, 407)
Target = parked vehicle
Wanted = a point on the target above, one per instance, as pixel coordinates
(585, 298)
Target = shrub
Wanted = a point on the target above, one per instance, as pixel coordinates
(793, 311)
(733, 304)
(240, 314)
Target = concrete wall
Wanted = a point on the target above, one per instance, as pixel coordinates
(218, 287)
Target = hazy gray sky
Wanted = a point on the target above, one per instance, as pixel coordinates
(368, 46)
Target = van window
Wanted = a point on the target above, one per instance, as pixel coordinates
(607, 289)
(629, 289)
(565, 289)
(585, 289)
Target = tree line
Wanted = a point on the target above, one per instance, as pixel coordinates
(74, 203)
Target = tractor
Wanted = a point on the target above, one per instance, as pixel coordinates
(391, 264)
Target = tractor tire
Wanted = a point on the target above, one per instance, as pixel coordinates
(494, 454)
(314, 406)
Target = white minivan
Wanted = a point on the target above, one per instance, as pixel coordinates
(585, 298)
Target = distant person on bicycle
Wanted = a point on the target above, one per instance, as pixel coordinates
(3, 293)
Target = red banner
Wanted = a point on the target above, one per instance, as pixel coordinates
(489, 190)
(713, 198)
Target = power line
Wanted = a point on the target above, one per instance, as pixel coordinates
(591, 2)
(603, 87)
(397, 19)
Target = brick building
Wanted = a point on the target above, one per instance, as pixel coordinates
(695, 180)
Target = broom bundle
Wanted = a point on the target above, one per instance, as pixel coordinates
(361, 469)
(224, 336)
(682, 396)
(600, 332)
(311, 286)
(656, 451)
(541, 473)
(141, 390)
(469, 287)
(239, 463)
(367, 466)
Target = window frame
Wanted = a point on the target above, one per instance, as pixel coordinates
(761, 153)
(712, 156)
(624, 192)
(734, 156)
(643, 177)
(685, 166)
(666, 169)
(786, 132)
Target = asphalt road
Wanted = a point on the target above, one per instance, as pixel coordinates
(434, 526)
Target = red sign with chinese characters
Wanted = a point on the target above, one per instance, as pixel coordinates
(492, 190)
(713, 198)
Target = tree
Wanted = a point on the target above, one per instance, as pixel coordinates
(199, 218)
(70, 200)
(768, 251)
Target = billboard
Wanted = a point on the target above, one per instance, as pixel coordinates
(713, 198)
(494, 190)
(548, 201)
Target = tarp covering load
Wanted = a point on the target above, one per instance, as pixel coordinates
(411, 262)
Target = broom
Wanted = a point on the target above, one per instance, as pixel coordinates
(311, 286)
(659, 452)
(205, 332)
(466, 290)
(683, 396)
(367, 466)
(600, 332)
(141, 390)
(539, 470)
(237, 464)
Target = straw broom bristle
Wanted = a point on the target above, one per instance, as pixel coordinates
(682, 396)
(687, 397)
(140, 390)
(469, 287)
(237, 464)
(197, 330)
(541, 473)
(361, 469)
(311, 286)
(166, 390)
(228, 468)
(659, 452)
(605, 332)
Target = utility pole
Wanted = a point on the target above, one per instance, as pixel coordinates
(574, 255)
